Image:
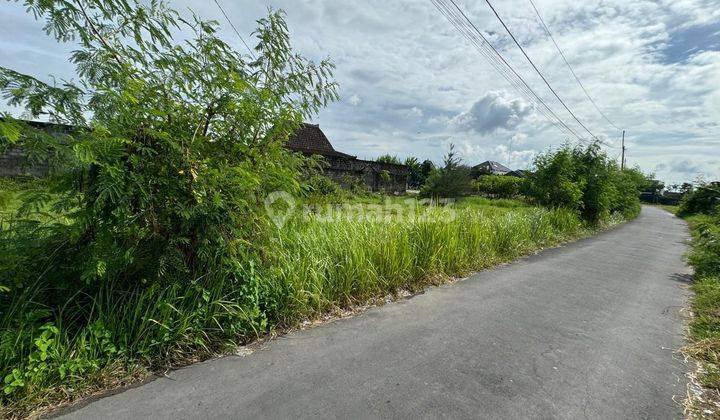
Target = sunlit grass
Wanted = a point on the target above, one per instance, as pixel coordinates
(343, 262)
(311, 266)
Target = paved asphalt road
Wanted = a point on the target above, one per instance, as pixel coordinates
(589, 330)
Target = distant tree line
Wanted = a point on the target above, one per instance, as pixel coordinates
(582, 178)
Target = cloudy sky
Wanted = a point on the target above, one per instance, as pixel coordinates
(411, 85)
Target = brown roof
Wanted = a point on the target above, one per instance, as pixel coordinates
(309, 139)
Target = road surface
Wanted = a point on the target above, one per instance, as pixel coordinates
(589, 330)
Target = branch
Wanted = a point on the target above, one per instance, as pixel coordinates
(97, 34)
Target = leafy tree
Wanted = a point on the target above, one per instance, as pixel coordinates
(705, 199)
(686, 188)
(176, 145)
(626, 185)
(389, 159)
(654, 186)
(426, 168)
(415, 178)
(554, 182)
(176, 142)
(586, 180)
(450, 181)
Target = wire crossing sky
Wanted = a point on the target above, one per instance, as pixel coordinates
(552, 38)
(411, 83)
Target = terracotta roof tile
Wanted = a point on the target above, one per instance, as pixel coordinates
(311, 140)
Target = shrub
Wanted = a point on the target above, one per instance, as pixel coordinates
(555, 181)
(450, 181)
(705, 254)
(162, 226)
(314, 183)
(705, 199)
(499, 186)
(626, 185)
(416, 176)
(705, 326)
(586, 180)
(389, 159)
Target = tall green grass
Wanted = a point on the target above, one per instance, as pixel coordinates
(324, 264)
(53, 351)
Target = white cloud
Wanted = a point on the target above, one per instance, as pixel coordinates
(495, 110)
(354, 100)
(406, 73)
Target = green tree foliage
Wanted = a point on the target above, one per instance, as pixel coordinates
(415, 178)
(426, 168)
(499, 186)
(389, 159)
(419, 172)
(586, 180)
(705, 199)
(654, 186)
(315, 185)
(177, 144)
(450, 181)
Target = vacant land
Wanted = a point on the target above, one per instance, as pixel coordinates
(583, 331)
(323, 258)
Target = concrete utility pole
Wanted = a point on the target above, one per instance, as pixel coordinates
(622, 160)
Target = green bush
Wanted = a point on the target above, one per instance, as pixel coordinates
(389, 159)
(450, 181)
(705, 199)
(705, 254)
(586, 180)
(500, 186)
(625, 187)
(154, 233)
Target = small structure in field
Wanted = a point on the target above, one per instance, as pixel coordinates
(345, 169)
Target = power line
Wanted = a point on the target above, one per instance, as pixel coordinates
(466, 27)
(539, 72)
(463, 28)
(234, 28)
(547, 31)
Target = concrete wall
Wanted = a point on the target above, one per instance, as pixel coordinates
(13, 164)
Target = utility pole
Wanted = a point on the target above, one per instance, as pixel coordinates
(622, 160)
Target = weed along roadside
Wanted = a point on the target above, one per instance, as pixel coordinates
(701, 209)
(175, 225)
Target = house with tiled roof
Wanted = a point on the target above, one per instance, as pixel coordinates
(490, 167)
(345, 169)
(309, 139)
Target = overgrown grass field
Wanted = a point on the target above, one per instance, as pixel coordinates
(104, 333)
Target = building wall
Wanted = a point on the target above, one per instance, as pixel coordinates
(342, 170)
(13, 164)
